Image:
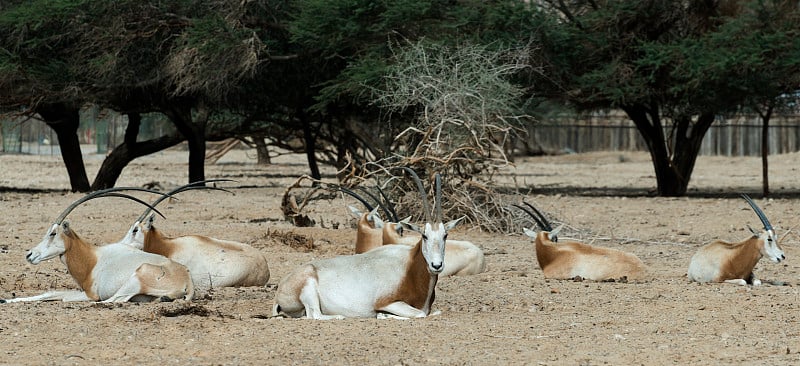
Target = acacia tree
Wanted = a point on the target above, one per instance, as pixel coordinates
(178, 58)
(660, 62)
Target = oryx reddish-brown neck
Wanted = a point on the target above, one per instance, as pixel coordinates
(367, 237)
(742, 258)
(545, 253)
(418, 286)
(80, 258)
(156, 243)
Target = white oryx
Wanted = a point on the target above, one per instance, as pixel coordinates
(568, 260)
(462, 257)
(721, 261)
(389, 281)
(110, 273)
(211, 262)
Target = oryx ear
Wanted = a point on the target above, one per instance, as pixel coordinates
(530, 233)
(377, 222)
(410, 226)
(554, 233)
(375, 218)
(65, 228)
(448, 226)
(150, 220)
(355, 212)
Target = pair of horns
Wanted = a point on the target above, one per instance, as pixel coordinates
(536, 215)
(194, 185)
(109, 192)
(429, 215)
(387, 208)
(757, 210)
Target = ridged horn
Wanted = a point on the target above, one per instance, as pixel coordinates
(547, 225)
(532, 215)
(109, 192)
(423, 195)
(761, 215)
(186, 187)
(357, 197)
(389, 205)
(438, 197)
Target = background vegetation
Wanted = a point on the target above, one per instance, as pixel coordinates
(440, 86)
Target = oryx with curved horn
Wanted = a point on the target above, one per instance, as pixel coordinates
(462, 257)
(211, 262)
(722, 261)
(568, 260)
(110, 273)
(389, 281)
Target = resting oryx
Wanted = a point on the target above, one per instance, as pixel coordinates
(462, 257)
(211, 262)
(569, 260)
(721, 261)
(110, 273)
(389, 281)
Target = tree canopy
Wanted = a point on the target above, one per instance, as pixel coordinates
(318, 70)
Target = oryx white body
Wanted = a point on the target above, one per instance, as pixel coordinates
(721, 261)
(461, 257)
(211, 262)
(396, 280)
(111, 273)
(568, 260)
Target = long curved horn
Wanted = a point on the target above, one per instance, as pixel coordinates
(380, 203)
(389, 205)
(356, 196)
(421, 189)
(186, 187)
(438, 197)
(532, 215)
(109, 192)
(761, 215)
(547, 225)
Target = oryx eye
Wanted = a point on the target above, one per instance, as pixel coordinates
(136, 230)
(52, 233)
(424, 237)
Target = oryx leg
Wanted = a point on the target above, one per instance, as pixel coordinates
(737, 281)
(66, 295)
(400, 310)
(309, 296)
(155, 282)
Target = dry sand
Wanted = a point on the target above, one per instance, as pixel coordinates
(508, 315)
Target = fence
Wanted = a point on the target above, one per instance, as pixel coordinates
(737, 136)
(99, 129)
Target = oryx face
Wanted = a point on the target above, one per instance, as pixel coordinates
(51, 246)
(771, 249)
(135, 236)
(433, 239)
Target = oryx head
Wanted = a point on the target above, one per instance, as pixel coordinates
(53, 243)
(434, 233)
(771, 249)
(541, 221)
(135, 235)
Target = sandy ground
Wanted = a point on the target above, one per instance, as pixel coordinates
(508, 315)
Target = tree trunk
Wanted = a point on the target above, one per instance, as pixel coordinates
(311, 147)
(262, 152)
(673, 170)
(129, 150)
(194, 132)
(64, 121)
(765, 117)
